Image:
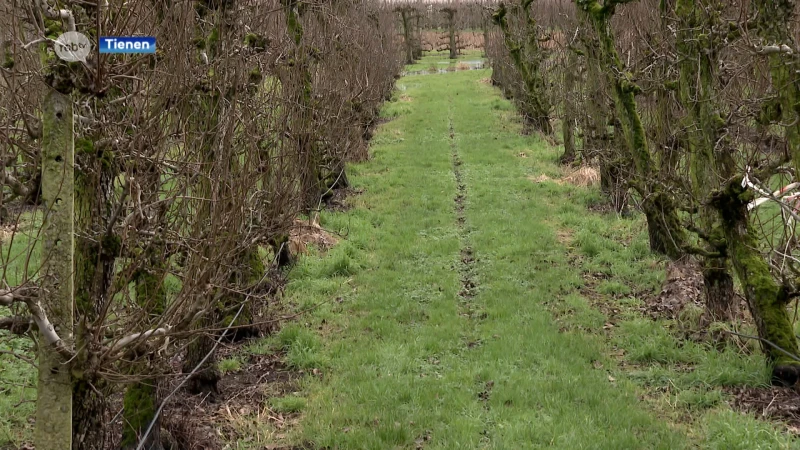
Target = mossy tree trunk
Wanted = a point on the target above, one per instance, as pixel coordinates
(301, 120)
(568, 123)
(141, 398)
(766, 299)
(698, 58)
(527, 58)
(407, 32)
(774, 24)
(96, 250)
(667, 236)
(206, 111)
(54, 392)
(451, 31)
(598, 141)
(95, 254)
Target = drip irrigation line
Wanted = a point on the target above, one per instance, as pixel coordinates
(766, 341)
(180, 385)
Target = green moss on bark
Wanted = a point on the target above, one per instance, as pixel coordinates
(527, 58)
(765, 297)
(139, 406)
(667, 236)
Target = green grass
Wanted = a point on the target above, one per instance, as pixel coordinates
(403, 364)
(230, 365)
(20, 254)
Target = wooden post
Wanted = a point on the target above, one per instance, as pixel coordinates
(54, 396)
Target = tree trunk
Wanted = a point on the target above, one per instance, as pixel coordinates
(667, 236)
(612, 181)
(89, 414)
(527, 59)
(663, 226)
(141, 398)
(774, 23)
(246, 278)
(720, 302)
(95, 254)
(698, 93)
(766, 299)
(140, 405)
(299, 85)
(451, 26)
(568, 123)
(409, 45)
(206, 378)
(54, 394)
(418, 38)
(283, 254)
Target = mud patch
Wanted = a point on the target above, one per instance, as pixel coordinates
(772, 403)
(466, 266)
(564, 236)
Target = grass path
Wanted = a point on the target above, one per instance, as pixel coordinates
(445, 332)
(444, 342)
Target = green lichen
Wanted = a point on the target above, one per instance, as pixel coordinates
(255, 41)
(84, 146)
(53, 28)
(255, 76)
(8, 60)
(112, 245)
(139, 410)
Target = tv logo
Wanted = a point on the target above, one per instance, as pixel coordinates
(118, 44)
(72, 46)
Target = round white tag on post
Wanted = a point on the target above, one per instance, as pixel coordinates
(72, 46)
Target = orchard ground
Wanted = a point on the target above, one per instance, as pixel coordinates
(475, 300)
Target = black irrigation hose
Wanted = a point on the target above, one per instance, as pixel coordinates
(143, 440)
(775, 346)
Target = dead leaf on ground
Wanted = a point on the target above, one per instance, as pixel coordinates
(584, 176)
(305, 233)
(774, 403)
(683, 284)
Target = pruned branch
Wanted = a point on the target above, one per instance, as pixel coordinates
(130, 339)
(29, 296)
